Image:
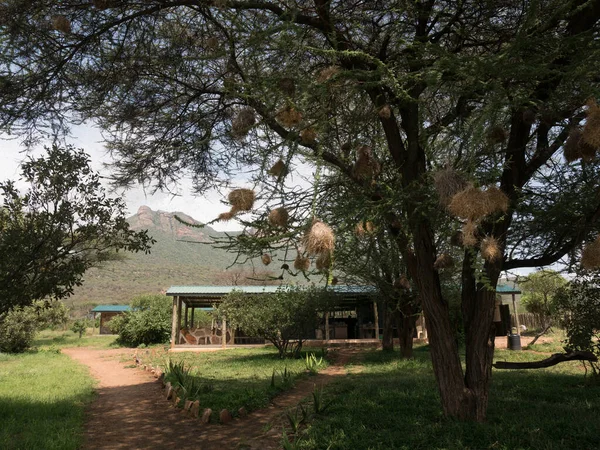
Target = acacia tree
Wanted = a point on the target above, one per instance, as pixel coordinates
(56, 230)
(384, 93)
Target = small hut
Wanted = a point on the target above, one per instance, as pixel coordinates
(107, 312)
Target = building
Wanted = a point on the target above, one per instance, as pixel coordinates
(107, 312)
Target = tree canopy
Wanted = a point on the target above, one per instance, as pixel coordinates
(442, 116)
(57, 229)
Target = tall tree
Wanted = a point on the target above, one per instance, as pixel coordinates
(56, 230)
(384, 93)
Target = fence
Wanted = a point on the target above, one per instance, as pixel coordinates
(527, 319)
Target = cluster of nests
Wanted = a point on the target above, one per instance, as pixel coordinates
(319, 241)
(366, 166)
(471, 204)
(583, 143)
(590, 257)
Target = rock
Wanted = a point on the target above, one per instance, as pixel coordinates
(242, 412)
(206, 415)
(187, 405)
(176, 400)
(225, 416)
(195, 409)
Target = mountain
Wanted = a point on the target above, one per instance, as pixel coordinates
(182, 255)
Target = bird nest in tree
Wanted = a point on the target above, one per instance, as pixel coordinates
(62, 24)
(279, 217)
(301, 263)
(590, 256)
(319, 239)
(334, 281)
(289, 116)
(287, 85)
(448, 182)
(323, 262)
(591, 130)
(366, 166)
(308, 136)
(243, 122)
(443, 261)
(496, 135)
(385, 112)
(266, 259)
(241, 199)
(363, 228)
(224, 217)
(402, 283)
(327, 74)
(278, 169)
(577, 148)
(472, 203)
(211, 43)
(469, 234)
(490, 249)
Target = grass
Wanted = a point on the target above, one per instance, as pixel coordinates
(42, 400)
(394, 404)
(55, 339)
(237, 377)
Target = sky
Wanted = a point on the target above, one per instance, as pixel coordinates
(203, 208)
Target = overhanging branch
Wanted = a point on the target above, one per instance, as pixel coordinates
(553, 360)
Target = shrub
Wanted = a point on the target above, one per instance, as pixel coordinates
(148, 322)
(79, 326)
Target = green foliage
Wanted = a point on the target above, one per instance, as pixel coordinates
(320, 405)
(284, 318)
(312, 363)
(60, 227)
(539, 290)
(579, 307)
(190, 385)
(79, 326)
(148, 322)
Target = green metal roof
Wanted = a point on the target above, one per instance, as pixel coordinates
(219, 291)
(506, 289)
(111, 308)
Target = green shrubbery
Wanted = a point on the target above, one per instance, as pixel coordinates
(148, 322)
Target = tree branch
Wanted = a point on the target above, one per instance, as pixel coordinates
(553, 360)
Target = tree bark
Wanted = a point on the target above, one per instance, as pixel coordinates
(387, 344)
(406, 321)
(553, 360)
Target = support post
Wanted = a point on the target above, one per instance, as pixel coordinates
(376, 312)
(327, 325)
(516, 315)
(185, 320)
(192, 319)
(178, 330)
(224, 334)
(174, 333)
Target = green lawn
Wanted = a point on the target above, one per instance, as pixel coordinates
(238, 377)
(394, 404)
(42, 400)
(51, 339)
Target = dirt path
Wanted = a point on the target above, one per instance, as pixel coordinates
(131, 412)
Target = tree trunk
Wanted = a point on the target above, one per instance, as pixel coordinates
(387, 344)
(406, 321)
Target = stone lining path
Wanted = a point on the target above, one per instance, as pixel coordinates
(131, 412)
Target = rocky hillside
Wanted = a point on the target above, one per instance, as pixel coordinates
(182, 255)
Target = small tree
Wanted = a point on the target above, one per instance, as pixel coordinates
(578, 304)
(148, 322)
(284, 318)
(79, 326)
(539, 290)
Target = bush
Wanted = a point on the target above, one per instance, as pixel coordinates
(79, 326)
(148, 322)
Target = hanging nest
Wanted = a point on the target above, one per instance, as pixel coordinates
(243, 122)
(577, 148)
(402, 283)
(448, 182)
(289, 116)
(590, 256)
(591, 130)
(472, 203)
(327, 73)
(385, 112)
(529, 116)
(278, 169)
(287, 85)
(308, 136)
(241, 199)
(366, 166)
(443, 261)
(285, 267)
(456, 239)
(363, 228)
(469, 234)
(62, 24)
(211, 43)
(496, 135)
(266, 259)
(334, 281)
(396, 224)
(279, 217)
(359, 229)
(319, 239)
(226, 216)
(490, 249)
(323, 262)
(301, 263)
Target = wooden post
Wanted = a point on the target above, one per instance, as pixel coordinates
(224, 333)
(376, 312)
(185, 319)
(327, 325)
(174, 333)
(516, 315)
(192, 320)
